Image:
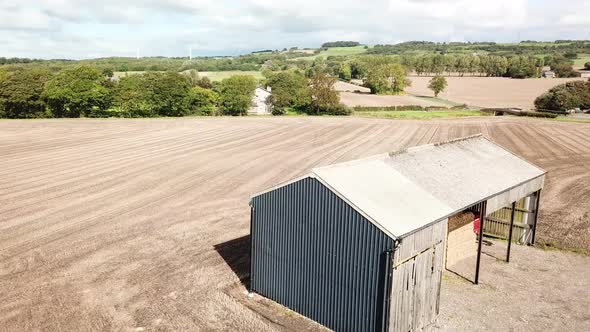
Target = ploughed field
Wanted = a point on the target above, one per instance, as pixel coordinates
(123, 224)
(489, 91)
(354, 95)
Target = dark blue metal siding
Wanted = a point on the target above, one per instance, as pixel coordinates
(316, 255)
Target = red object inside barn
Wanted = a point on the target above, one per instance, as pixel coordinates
(476, 222)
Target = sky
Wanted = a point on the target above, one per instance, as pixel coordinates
(78, 29)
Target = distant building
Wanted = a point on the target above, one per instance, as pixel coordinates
(548, 74)
(260, 105)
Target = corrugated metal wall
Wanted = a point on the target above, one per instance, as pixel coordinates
(316, 255)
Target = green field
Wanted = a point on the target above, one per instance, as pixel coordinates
(220, 75)
(581, 60)
(336, 51)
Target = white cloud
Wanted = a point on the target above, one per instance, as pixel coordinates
(83, 28)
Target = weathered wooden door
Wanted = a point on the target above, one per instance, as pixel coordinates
(415, 291)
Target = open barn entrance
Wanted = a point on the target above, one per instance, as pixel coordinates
(462, 242)
(471, 233)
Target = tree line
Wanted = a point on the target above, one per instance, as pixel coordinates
(341, 43)
(524, 47)
(86, 91)
(520, 66)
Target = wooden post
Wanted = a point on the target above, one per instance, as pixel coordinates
(482, 218)
(538, 197)
(510, 232)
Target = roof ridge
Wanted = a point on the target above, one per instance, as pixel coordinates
(379, 156)
(459, 139)
(423, 146)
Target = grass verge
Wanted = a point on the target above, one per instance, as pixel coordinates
(419, 115)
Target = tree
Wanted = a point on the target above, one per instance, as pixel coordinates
(462, 64)
(205, 83)
(236, 94)
(565, 97)
(77, 91)
(389, 78)
(108, 72)
(322, 92)
(493, 65)
(203, 101)
(423, 65)
(358, 69)
(523, 67)
(154, 94)
(325, 99)
(318, 66)
(437, 84)
(438, 64)
(563, 69)
(289, 89)
(345, 72)
(474, 65)
(193, 77)
(21, 93)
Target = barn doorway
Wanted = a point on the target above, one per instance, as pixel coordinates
(473, 232)
(462, 242)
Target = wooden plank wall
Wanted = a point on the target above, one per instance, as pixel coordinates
(418, 264)
(498, 223)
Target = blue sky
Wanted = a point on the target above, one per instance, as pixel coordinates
(86, 29)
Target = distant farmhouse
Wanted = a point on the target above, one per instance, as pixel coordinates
(260, 102)
(548, 74)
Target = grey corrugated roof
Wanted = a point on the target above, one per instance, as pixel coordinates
(407, 190)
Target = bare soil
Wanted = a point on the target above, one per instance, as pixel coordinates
(141, 224)
(353, 99)
(354, 95)
(349, 87)
(489, 91)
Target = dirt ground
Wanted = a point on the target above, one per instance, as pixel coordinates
(354, 95)
(135, 224)
(364, 99)
(537, 291)
(489, 91)
(349, 87)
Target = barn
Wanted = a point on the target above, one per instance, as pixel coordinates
(361, 245)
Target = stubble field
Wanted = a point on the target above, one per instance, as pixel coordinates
(126, 224)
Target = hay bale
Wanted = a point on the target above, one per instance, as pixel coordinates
(460, 219)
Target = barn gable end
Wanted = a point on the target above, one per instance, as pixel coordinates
(318, 256)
